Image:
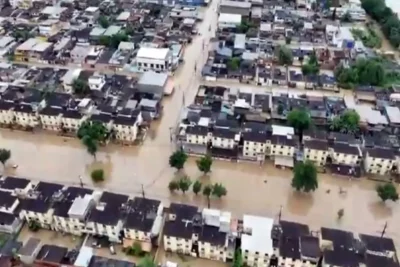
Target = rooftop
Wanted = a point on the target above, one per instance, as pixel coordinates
(142, 214)
(52, 254)
(260, 238)
(153, 53)
(11, 183)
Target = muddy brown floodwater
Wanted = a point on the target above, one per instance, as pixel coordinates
(251, 189)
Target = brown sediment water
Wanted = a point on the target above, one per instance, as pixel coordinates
(251, 189)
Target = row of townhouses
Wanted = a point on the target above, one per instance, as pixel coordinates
(237, 124)
(185, 229)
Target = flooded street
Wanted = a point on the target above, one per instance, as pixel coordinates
(251, 189)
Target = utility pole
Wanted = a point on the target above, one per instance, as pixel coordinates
(80, 180)
(280, 213)
(143, 195)
(384, 229)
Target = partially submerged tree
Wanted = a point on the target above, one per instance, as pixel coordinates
(184, 184)
(219, 190)
(97, 175)
(177, 159)
(204, 164)
(300, 120)
(197, 187)
(305, 176)
(207, 190)
(5, 155)
(173, 186)
(387, 191)
(92, 134)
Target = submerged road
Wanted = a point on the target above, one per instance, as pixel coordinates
(251, 189)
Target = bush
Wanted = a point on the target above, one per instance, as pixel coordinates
(97, 175)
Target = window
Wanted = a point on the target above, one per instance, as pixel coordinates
(151, 65)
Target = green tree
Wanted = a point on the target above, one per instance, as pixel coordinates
(346, 17)
(5, 155)
(105, 40)
(34, 226)
(103, 21)
(116, 39)
(147, 262)
(285, 58)
(288, 40)
(280, 109)
(80, 87)
(204, 164)
(184, 184)
(177, 159)
(233, 63)
(348, 122)
(135, 250)
(91, 134)
(305, 176)
(300, 120)
(173, 186)
(197, 187)
(340, 213)
(90, 144)
(219, 190)
(387, 191)
(312, 66)
(97, 175)
(237, 260)
(207, 190)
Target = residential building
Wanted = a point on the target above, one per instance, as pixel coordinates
(203, 234)
(198, 135)
(256, 241)
(50, 118)
(50, 255)
(379, 161)
(15, 185)
(143, 223)
(256, 145)
(27, 254)
(25, 116)
(6, 113)
(32, 50)
(69, 78)
(283, 150)
(316, 151)
(346, 154)
(153, 83)
(379, 246)
(38, 204)
(72, 209)
(178, 228)
(6, 44)
(235, 7)
(296, 246)
(71, 120)
(224, 138)
(96, 81)
(106, 219)
(157, 59)
(126, 125)
(229, 21)
(9, 223)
